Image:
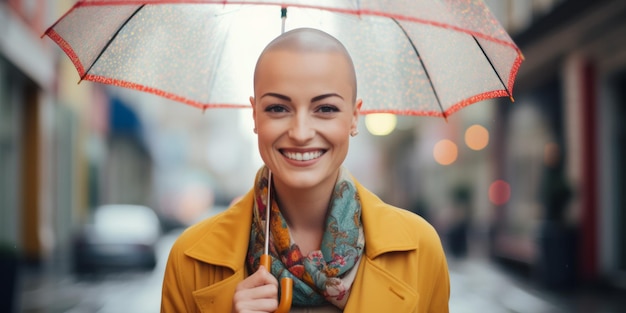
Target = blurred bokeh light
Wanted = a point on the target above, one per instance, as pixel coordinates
(499, 192)
(445, 152)
(476, 137)
(381, 124)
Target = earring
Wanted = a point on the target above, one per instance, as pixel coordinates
(354, 132)
(254, 130)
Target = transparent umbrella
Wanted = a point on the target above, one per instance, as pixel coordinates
(424, 57)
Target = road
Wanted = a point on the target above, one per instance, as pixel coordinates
(137, 292)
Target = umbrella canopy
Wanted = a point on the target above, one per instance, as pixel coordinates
(413, 57)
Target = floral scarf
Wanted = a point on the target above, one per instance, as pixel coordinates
(324, 275)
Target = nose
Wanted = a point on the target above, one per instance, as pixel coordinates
(301, 128)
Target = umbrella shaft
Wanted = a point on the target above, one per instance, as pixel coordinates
(283, 17)
(268, 207)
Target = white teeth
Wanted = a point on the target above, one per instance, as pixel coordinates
(303, 156)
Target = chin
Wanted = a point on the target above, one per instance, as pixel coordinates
(303, 180)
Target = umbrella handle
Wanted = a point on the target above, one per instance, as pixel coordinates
(286, 287)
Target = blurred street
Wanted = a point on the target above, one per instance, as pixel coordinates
(113, 292)
(478, 285)
(481, 286)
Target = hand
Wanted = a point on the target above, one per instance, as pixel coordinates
(257, 293)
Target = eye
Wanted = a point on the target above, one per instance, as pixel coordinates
(275, 108)
(327, 108)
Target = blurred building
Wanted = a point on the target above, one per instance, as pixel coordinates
(547, 193)
(63, 149)
(570, 103)
(33, 225)
(27, 83)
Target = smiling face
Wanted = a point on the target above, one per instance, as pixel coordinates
(304, 111)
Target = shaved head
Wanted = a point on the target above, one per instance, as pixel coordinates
(308, 40)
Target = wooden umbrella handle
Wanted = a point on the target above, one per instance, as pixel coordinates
(286, 287)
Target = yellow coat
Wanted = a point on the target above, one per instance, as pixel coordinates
(403, 268)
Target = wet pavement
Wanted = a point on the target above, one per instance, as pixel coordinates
(477, 286)
(132, 292)
(482, 286)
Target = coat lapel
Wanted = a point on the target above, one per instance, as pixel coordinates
(377, 286)
(225, 242)
(224, 245)
(379, 237)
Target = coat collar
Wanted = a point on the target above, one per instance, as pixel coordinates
(377, 288)
(230, 232)
(379, 239)
(225, 242)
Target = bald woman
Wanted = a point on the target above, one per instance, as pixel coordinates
(345, 249)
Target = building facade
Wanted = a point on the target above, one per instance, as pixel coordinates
(569, 98)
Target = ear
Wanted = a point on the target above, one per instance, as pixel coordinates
(252, 103)
(355, 114)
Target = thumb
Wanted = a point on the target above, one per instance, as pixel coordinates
(265, 276)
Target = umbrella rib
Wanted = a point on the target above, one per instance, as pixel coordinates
(406, 35)
(106, 46)
(492, 66)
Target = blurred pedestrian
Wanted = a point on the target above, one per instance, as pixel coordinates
(345, 249)
(555, 191)
(557, 238)
(457, 235)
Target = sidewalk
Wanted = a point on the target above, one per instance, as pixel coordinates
(481, 286)
(40, 291)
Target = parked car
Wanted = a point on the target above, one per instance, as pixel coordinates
(120, 236)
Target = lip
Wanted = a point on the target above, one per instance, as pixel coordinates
(302, 157)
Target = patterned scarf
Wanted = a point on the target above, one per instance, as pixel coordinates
(324, 275)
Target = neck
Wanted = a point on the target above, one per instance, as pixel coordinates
(305, 213)
(304, 209)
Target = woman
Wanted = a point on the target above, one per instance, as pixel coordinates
(345, 249)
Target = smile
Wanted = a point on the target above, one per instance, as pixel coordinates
(306, 156)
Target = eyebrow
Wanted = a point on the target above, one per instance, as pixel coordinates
(328, 95)
(314, 99)
(276, 95)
